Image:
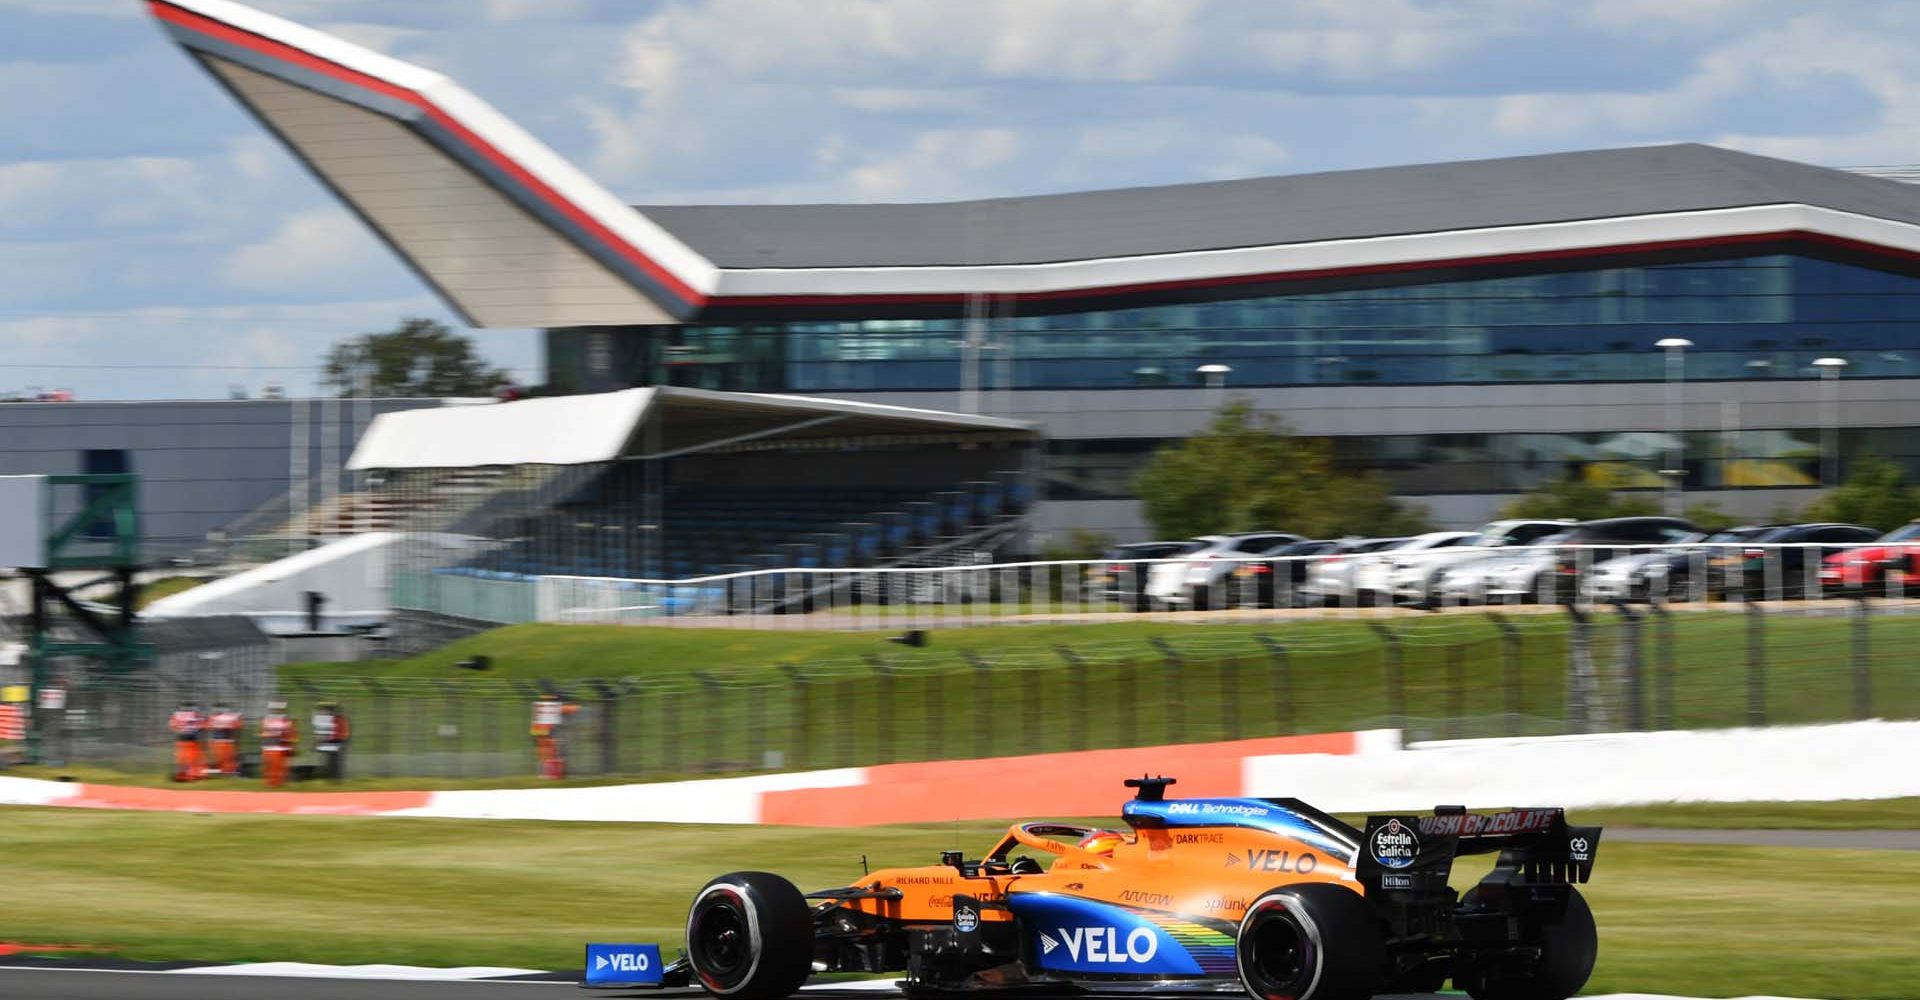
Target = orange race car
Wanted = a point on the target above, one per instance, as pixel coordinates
(1271, 895)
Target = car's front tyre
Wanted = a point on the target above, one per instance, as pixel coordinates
(1310, 942)
(750, 936)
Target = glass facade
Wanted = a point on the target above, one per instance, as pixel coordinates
(1755, 317)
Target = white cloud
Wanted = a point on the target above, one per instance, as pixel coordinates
(317, 249)
(383, 38)
(943, 163)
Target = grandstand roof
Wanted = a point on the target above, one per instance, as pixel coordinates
(511, 234)
(658, 422)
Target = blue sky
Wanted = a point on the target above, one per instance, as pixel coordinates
(155, 243)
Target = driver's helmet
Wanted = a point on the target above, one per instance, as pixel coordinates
(1102, 842)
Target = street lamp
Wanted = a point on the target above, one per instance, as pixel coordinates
(1675, 472)
(1215, 375)
(1830, 418)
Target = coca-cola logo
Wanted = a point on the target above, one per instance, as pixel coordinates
(1394, 845)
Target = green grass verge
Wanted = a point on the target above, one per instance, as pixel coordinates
(165, 586)
(1706, 921)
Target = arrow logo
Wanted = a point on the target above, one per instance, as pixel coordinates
(599, 962)
(1047, 944)
(1233, 859)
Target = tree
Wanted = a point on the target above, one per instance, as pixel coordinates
(420, 357)
(1247, 472)
(1875, 494)
(1582, 498)
(1710, 518)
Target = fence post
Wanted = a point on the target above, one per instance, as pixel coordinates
(1632, 666)
(1456, 689)
(1396, 681)
(1036, 733)
(936, 713)
(883, 728)
(1862, 660)
(982, 717)
(1580, 673)
(454, 733)
(527, 693)
(1076, 697)
(1663, 667)
(798, 686)
(609, 727)
(1510, 675)
(670, 735)
(383, 722)
(1173, 697)
(757, 727)
(716, 707)
(490, 733)
(1282, 682)
(1129, 703)
(1756, 665)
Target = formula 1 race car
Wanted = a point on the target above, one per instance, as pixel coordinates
(1271, 895)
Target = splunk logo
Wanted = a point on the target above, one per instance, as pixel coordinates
(1103, 945)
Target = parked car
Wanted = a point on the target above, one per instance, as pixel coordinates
(1277, 579)
(1783, 562)
(1330, 580)
(1413, 575)
(1890, 563)
(1668, 573)
(1592, 543)
(1373, 580)
(1121, 578)
(1194, 582)
(1517, 575)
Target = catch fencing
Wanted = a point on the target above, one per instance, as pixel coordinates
(1523, 672)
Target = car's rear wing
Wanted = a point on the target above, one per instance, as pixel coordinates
(1415, 853)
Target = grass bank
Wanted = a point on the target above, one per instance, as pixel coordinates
(1706, 921)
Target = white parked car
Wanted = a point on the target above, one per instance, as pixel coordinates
(1415, 575)
(1519, 575)
(1373, 580)
(1330, 581)
(1198, 579)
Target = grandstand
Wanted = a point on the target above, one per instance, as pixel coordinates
(665, 485)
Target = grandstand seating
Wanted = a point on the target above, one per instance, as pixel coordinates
(601, 530)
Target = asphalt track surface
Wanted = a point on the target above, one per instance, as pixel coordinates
(1852, 840)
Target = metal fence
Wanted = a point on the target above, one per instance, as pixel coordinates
(1240, 588)
(1537, 671)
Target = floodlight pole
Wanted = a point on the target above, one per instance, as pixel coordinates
(1674, 474)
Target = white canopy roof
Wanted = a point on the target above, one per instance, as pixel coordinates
(578, 430)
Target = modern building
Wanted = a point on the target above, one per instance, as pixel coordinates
(266, 473)
(1468, 330)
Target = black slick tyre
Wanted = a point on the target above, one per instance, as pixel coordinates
(1310, 942)
(750, 936)
(1567, 952)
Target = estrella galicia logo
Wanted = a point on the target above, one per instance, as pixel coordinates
(966, 920)
(1394, 845)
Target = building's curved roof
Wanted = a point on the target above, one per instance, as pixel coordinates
(511, 234)
(1266, 211)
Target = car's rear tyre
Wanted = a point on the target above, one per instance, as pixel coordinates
(1310, 942)
(750, 936)
(1567, 951)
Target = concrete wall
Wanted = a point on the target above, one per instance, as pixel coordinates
(202, 464)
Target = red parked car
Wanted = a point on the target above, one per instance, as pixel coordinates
(1891, 562)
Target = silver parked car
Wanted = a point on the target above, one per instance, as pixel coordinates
(1197, 581)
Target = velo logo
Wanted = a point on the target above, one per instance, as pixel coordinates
(1103, 945)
